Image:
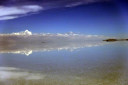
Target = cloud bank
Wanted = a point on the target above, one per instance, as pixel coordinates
(26, 42)
(11, 9)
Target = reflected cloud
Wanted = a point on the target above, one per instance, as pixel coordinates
(26, 42)
(10, 73)
(23, 77)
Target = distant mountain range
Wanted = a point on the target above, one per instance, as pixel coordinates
(113, 40)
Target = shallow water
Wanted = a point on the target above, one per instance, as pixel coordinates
(105, 64)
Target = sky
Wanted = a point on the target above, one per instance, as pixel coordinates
(96, 17)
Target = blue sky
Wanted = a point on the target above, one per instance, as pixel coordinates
(99, 18)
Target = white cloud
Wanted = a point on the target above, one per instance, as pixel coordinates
(81, 2)
(74, 4)
(16, 11)
(26, 32)
(8, 17)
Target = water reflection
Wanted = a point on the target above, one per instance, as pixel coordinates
(108, 71)
(10, 73)
(95, 63)
(28, 48)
